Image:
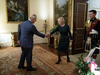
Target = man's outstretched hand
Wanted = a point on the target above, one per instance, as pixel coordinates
(18, 42)
(47, 35)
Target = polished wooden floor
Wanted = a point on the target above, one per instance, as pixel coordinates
(49, 48)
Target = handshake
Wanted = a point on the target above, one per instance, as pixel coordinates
(47, 35)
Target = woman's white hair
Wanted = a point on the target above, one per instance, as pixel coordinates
(33, 16)
(62, 19)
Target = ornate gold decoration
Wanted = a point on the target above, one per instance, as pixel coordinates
(14, 39)
(56, 40)
(88, 24)
(70, 13)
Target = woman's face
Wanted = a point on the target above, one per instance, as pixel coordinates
(59, 21)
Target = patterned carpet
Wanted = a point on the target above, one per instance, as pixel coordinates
(43, 60)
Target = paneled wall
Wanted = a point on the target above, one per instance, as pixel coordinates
(5, 40)
(94, 4)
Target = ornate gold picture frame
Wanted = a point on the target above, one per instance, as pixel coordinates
(17, 10)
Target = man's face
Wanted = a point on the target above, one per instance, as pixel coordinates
(33, 20)
(91, 15)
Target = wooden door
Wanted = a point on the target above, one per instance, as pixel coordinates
(79, 18)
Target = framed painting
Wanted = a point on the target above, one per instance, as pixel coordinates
(60, 10)
(17, 10)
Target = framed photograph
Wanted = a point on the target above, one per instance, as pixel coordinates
(60, 10)
(17, 10)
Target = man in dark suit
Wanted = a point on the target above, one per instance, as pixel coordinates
(26, 32)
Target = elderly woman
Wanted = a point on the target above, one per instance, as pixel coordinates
(63, 45)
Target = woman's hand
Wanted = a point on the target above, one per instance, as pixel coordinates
(47, 35)
(71, 40)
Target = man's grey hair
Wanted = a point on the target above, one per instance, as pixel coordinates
(33, 16)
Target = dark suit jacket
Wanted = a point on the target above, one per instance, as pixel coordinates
(26, 32)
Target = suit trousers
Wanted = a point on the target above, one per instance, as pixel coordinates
(26, 53)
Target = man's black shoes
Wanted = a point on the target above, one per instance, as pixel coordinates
(22, 67)
(32, 69)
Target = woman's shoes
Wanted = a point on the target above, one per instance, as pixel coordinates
(58, 61)
(68, 59)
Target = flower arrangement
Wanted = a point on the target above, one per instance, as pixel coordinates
(86, 67)
(53, 29)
